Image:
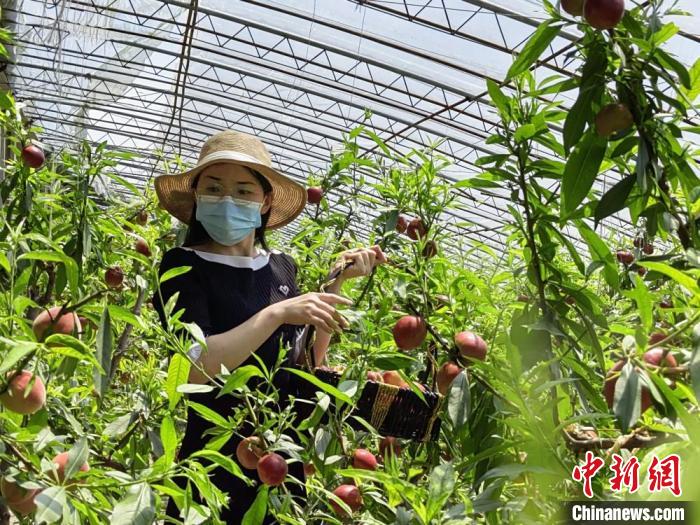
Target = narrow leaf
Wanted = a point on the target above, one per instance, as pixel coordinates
(614, 199)
(103, 353)
(580, 172)
(458, 401)
(535, 46)
(329, 389)
(256, 513)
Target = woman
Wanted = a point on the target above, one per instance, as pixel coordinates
(243, 298)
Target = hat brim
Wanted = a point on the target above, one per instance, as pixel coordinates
(176, 194)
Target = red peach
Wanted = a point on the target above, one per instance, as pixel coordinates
(13, 399)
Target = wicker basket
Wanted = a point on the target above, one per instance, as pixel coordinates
(393, 411)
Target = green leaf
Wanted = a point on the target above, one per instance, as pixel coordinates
(664, 33)
(178, 372)
(63, 344)
(498, 98)
(685, 280)
(137, 508)
(535, 46)
(614, 199)
(692, 93)
(378, 141)
(600, 253)
(174, 272)
(50, 503)
(628, 394)
(641, 164)
(104, 345)
(6, 100)
(328, 389)
(580, 172)
(643, 298)
(668, 62)
(441, 485)
(315, 417)
(210, 415)
(77, 456)
(578, 116)
(168, 436)
(625, 146)
(69, 265)
(524, 132)
(459, 401)
(573, 251)
(393, 361)
(119, 313)
(20, 349)
(239, 377)
(4, 263)
(256, 513)
(193, 388)
(117, 427)
(223, 461)
(690, 421)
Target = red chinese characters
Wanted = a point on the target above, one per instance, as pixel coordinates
(665, 474)
(587, 471)
(626, 474)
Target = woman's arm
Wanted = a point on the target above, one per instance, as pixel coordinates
(232, 348)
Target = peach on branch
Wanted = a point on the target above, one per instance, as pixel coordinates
(401, 224)
(309, 469)
(33, 156)
(373, 375)
(446, 374)
(142, 218)
(350, 495)
(573, 7)
(314, 195)
(142, 247)
(471, 345)
(114, 277)
(364, 459)
(603, 14)
(61, 462)
(249, 452)
(67, 323)
(430, 250)
(625, 257)
(416, 229)
(613, 118)
(652, 357)
(272, 469)
(17, 498)
(14, 398)
(409, 332)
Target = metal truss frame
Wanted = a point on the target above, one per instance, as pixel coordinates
(299, 93)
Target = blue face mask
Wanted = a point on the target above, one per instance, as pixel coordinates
(226, 219)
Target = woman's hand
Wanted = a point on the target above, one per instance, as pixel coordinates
(365, 260)
(313, 308)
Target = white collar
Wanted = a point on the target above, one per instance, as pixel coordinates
(237, 261)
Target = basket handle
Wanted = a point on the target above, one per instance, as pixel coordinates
(307, 336)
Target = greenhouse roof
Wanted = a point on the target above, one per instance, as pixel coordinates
(297, 73)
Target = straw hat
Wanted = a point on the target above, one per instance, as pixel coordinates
(176, 194)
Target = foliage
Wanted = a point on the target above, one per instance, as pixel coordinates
(511, 425)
